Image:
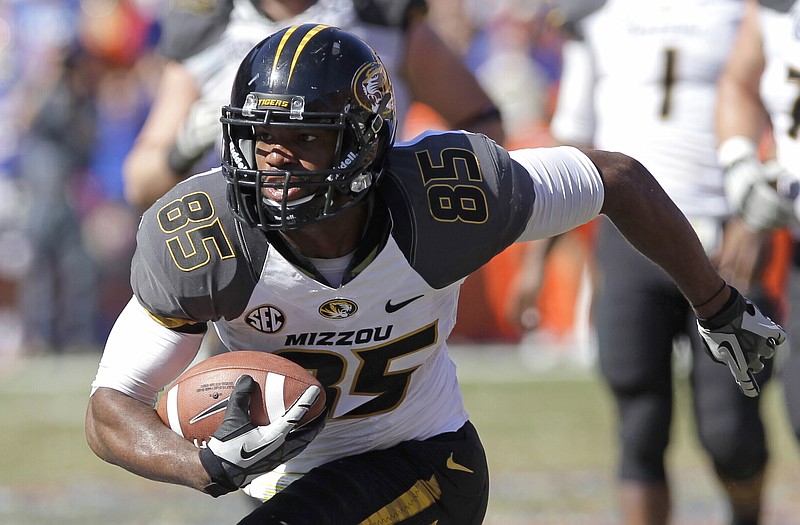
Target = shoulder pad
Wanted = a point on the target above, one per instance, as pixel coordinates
(193, 261)
(782, 6)
(188, 26)
(390, 13)
(454, 193)
(568, 14)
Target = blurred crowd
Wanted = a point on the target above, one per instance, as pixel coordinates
(77, 78)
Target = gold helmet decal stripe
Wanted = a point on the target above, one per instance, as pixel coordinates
(281, 45)
(311, 33)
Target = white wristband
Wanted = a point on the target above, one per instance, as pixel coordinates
(735, 149)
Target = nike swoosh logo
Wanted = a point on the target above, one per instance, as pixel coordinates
(219, 406)
(391, 308)
(452, 465)
(248, 454)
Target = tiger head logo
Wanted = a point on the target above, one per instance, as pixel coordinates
(338, 309)
(370, 85)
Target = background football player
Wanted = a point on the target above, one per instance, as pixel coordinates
(760, 89)
(640, 77)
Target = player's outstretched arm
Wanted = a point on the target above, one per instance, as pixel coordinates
(734, 330)
(653, 224)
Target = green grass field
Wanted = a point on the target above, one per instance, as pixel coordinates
(549, 438)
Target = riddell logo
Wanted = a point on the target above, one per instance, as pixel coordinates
(237, 159)
(347, 160)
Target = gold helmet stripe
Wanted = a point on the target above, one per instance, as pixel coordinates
(281, 45)
(311, 33)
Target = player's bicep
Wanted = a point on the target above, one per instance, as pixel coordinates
(568, 187)
(142, 356)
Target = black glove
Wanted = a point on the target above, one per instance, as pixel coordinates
(741, 336)
(240, 451)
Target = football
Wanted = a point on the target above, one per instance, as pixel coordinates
(194, 405)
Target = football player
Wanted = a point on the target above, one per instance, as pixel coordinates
(760, 88)
(641, 77)
(206, 45)
(321, 240)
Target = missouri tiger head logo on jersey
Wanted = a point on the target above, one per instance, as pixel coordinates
(338, 309)
(307, 76)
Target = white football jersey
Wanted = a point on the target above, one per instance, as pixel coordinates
(643, 81)
(780, 81)
(384, 342)
(446, 205)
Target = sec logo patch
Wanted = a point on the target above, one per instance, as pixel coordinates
(266, 318)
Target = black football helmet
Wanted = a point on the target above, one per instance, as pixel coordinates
(313, 76)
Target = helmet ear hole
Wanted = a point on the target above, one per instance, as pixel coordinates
(239, 146)
(247, 146)
(350, 143)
